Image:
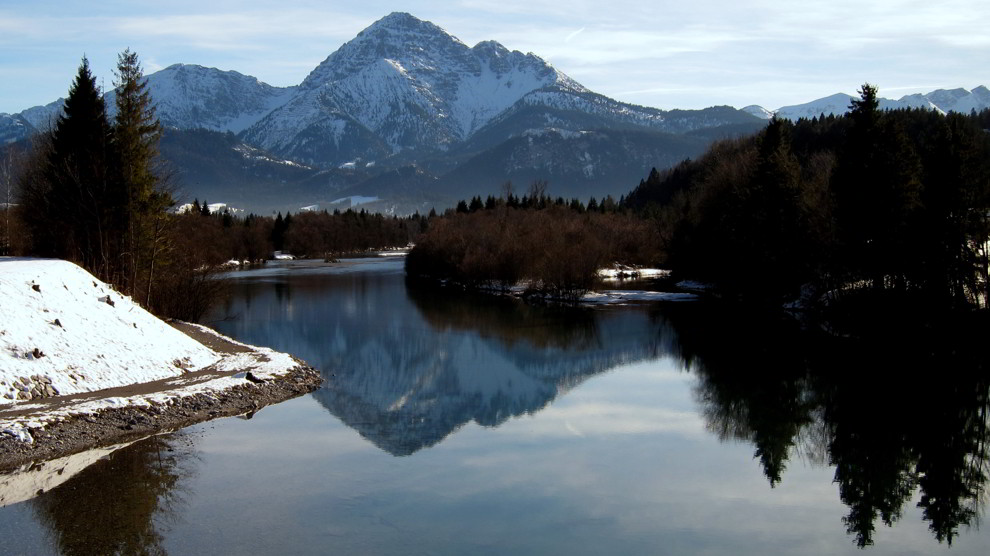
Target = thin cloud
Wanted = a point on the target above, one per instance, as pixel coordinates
(570, 37)
(658, 54)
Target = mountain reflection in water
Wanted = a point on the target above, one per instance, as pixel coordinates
(895, 415)
(406, 368)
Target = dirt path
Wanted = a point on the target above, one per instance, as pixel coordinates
(110, 426)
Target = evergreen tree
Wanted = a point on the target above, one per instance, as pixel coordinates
(278, 232)
(876, 188)
(67, 203)
(144, 202)
(608, 204)
(476, 204)
(770, 222)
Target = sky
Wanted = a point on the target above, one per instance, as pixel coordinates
(665, 54)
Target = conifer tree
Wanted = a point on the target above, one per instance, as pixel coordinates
(67, 206)
(141, 196)
(876, 188)
(476, 204)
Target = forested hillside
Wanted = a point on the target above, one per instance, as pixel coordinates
(892, 202)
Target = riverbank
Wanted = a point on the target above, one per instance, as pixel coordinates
(82, 366)
(618, 276)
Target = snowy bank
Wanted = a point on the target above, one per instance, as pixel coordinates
(595, 297)
(71, 346)
(625, 272)
(65, 330)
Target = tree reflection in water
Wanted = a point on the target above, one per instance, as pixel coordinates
(123, 503)
(898, 415)
(895, 413)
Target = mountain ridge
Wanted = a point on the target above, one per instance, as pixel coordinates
(941, 100)
(405, 109)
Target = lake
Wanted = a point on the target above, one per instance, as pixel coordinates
(462, 424)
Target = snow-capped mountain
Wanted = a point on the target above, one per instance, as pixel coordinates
(401, 85)
(190, 97)
(401, 59)
(13, 128)
(403, 88)
(758, 111)
(42, 117)
(942, 100)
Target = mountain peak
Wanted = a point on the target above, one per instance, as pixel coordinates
(402, 24)
(398, 36)
(398, 19)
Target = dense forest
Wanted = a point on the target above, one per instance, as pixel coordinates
(886, 203)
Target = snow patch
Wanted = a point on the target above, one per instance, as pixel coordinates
(623, 272)
(355, 200)
(215, 208)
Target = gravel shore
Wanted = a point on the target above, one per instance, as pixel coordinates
(76, 432)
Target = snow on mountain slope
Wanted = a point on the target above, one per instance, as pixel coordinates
(947, 97)
(13, 128)
(758, 111)
(311, 129)
(917, 101)
(503, 79)
(941, 100)
(411, 84)
(43, 117)
(977, 99)
(189, 96)
(595, 104)
(835, 104)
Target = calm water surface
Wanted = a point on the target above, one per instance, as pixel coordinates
(453, 424)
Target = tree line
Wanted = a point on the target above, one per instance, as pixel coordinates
(212, 239)
(553, 247)
(873, 204)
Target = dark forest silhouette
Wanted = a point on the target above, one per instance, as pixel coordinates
(891, 203)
